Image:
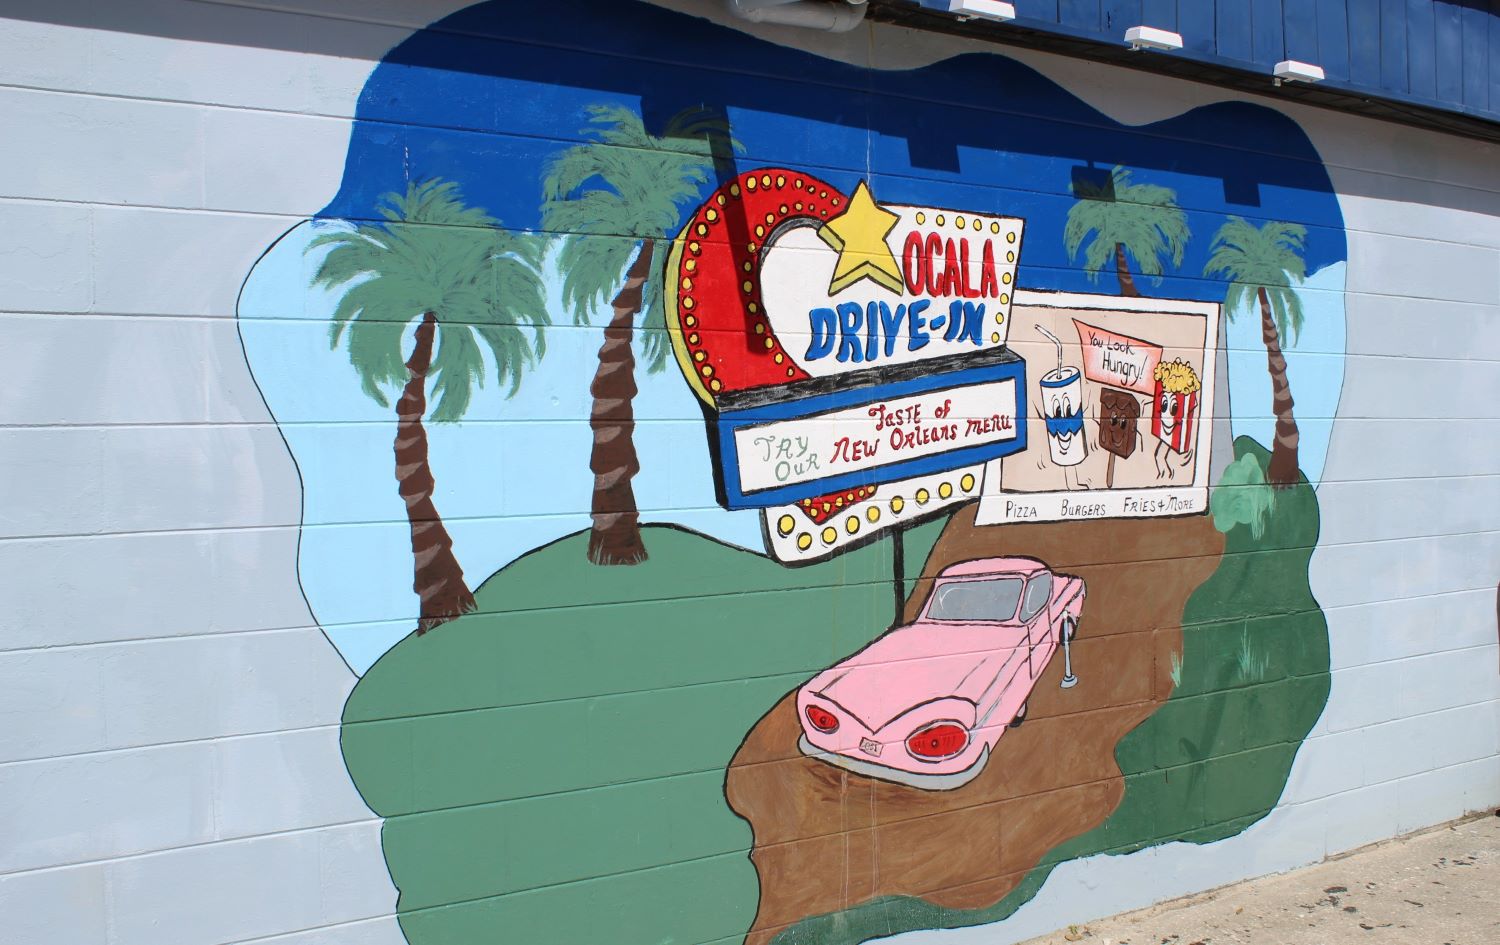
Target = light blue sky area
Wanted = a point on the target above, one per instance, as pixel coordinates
(1314, 365)
(504, 485)
(514, 475)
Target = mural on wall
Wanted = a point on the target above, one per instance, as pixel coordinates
(850, 511)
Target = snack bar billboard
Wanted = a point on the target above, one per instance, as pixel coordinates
(1122, 394)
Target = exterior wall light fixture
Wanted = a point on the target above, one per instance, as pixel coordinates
(983, 9)
(1290, 70)
(1149, 37)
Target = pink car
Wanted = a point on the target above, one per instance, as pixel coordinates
(924, 704)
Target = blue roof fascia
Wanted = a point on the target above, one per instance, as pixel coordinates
(1264, 67)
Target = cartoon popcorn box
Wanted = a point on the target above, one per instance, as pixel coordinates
(1176, 414)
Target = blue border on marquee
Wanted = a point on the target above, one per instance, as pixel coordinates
(729, 422)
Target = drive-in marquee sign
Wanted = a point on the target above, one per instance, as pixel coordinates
(839, 344)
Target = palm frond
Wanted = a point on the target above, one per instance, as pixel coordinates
(569, 171)
(593, 268)
(1085, 215)
(530, 249)
(590, 213)
(456, 369)
(602, 198)
(432, 253)
(617, 124)
(655, 344)
(1098, 256)
(514, 352)
(1237, 298)
(1255, 258)
(355, 251)
(518, 282)
(1143, 219)
(1286, 306)
(1223, 261)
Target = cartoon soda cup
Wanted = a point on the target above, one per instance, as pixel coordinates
(1062, 412)
(1062, 409)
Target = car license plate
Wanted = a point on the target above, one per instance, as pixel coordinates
(869, 746)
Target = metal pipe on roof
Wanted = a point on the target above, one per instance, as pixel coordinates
(830, 15)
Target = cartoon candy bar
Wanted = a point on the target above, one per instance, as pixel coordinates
(1119, 413)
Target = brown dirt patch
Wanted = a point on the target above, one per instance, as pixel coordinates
(827, 839)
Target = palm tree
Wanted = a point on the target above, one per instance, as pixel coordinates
(1264, 264)
(1129, 221)
(611, 199)
(467, 285)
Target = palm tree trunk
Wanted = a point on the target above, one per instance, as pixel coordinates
(616, 534)
(1122, 269)
(438, 579)
(1282, 470)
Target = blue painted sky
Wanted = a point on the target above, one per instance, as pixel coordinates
(978, 131)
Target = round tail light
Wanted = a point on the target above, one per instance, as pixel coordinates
(937, 741)
(822, 719)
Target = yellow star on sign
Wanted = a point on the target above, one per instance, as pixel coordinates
(858, 234)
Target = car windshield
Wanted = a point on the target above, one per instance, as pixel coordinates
(989, 599)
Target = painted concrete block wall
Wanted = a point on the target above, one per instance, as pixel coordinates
(219, 725)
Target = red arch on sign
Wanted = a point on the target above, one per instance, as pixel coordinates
(715, 316)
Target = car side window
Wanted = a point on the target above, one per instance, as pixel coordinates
(1038, 592)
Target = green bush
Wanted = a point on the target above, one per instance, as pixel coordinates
(1242, 496)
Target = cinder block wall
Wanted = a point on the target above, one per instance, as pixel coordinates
(170, 759)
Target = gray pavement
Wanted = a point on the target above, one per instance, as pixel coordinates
(1437, 887)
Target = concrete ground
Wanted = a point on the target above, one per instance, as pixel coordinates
(1437, 887)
